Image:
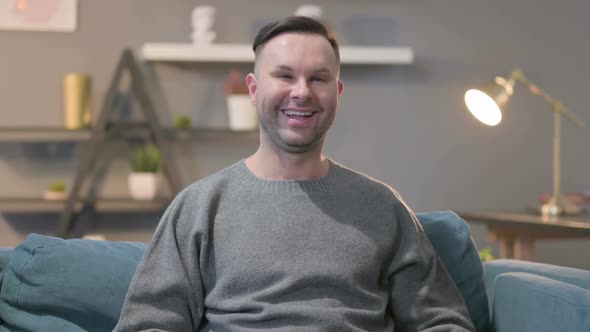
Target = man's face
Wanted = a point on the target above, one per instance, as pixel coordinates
(296, 89)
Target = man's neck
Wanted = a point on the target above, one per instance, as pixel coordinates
(271, 166)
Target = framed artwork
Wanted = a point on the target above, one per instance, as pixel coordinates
(38, 15)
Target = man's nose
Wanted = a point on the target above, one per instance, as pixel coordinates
(300, 91)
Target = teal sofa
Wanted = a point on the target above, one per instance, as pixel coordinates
(51, 284)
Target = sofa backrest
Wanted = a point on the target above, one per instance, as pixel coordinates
(51, 284)
(4, 257)
(451, 238)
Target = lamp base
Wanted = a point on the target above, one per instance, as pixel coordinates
(558, 205)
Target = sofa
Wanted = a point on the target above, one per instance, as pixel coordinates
(52, 284)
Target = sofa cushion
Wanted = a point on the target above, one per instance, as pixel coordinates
(4, 257)
(51, 284)
(451, 238)
(526, 302)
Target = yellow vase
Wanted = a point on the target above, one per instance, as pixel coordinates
(77, 101)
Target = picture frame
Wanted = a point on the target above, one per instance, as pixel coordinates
(39, 15)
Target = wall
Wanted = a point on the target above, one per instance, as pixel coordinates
(405, 125)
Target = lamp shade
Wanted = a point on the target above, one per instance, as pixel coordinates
(486, 103)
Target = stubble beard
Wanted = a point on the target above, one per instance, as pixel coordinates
(274, 138)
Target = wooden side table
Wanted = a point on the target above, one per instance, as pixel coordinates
(516, 233)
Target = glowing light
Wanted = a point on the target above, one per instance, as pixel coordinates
(483, 107)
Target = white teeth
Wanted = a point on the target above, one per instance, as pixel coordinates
(298, 113)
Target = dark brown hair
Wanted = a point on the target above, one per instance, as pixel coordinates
(301, 24)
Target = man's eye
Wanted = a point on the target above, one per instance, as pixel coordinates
(284, 76)
(318, 79)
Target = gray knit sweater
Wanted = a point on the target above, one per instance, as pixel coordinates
(340, 253)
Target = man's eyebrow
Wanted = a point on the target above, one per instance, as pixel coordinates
(288, 68)
(282, 67)
(322, 70)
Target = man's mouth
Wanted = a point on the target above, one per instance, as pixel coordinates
(298, 114)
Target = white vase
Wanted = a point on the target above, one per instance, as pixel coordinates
(143, 186)
(242, 114)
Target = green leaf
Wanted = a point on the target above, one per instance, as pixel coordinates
(146, 159)
(59, 186)
(486, 254)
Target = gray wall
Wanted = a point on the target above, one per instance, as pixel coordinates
(405, 125)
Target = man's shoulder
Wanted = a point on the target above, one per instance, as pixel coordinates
(363, 181)
(359, 177)
(216, 182)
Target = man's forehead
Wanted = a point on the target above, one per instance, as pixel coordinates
(288, 39)
(283, 46)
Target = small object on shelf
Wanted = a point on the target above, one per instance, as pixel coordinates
(56, 191)
(143, 186)
(313, 11)
(241, 113)
(145, 164)
(203, 18)
(77, 101)
(182, 121)
(580, 201)
(235, 84)
(146, 159)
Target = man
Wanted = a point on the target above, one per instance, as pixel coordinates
(287, 239)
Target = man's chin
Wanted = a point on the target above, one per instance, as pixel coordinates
(298, 145)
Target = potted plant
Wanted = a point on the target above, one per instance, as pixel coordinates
(182, 121)
(56, 191)
(242, 114)
(145, 162)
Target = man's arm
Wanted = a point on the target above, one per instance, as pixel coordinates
(423, 296)
(166, 291)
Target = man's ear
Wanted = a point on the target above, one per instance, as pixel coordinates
(251, 82)
(340, 88)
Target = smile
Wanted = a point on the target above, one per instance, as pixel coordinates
(291, 113)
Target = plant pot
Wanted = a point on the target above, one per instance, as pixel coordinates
(51, 195)
(143, 186)
(242, 114)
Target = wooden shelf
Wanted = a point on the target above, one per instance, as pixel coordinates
(209, 133)
(40, 205)
(42, 134)
(54, 134)
(242, 53)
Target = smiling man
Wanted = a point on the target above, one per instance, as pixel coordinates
(288, 239)
(296, 89)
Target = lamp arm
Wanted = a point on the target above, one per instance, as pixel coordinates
(557, 105)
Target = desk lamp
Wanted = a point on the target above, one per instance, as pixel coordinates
(486, 105)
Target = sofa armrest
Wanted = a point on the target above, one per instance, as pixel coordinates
(526, 302)
(578, 277)
(494, 268)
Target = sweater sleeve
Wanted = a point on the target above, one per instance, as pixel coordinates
(423, 296)
(166, 292)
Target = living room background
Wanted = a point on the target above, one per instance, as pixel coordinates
(405, 125)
